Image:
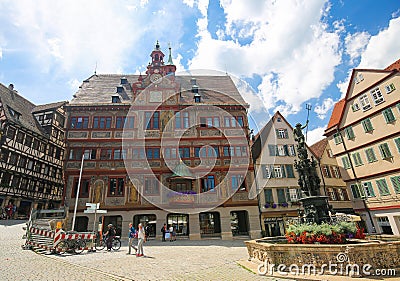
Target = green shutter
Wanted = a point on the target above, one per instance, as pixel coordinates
(396, 183)
(285, 148)
(346, 162)
(349, 133)
(271, 171)
(369, 152)
(367, 125)
(382, 187)
(289, 171)
(355, 191)
(357, 159)
(388, 114)
(385, 151)
(338, 138)
(268, 196)
(397, 142)
(277, 134)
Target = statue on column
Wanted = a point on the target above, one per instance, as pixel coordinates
(98, 191)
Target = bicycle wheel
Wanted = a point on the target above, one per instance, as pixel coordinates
(100, 244)
(79, 246)
(62, 247)
(116, 244)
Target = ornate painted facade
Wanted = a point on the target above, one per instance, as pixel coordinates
(158, 145)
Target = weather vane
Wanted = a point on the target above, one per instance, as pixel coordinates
(308, 108)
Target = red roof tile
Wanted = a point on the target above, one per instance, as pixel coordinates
(394, 66)
(336, 114)
(319, 147)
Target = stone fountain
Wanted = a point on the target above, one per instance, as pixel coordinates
(357, 257)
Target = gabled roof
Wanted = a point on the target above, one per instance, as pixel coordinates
(394, 66)
(262, 136)
(336, 114)
(99, 88)
(13, 102)
(319, 147)
(49, 106)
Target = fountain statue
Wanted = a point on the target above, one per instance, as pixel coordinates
(316, 207)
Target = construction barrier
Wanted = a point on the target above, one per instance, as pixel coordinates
(49, 239)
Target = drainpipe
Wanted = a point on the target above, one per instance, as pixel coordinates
(357, 181)
(258, 194)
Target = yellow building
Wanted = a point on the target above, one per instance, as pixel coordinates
(364, 135)
(331, 179)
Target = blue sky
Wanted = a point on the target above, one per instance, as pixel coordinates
(291, 52)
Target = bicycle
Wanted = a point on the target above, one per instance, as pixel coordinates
(101, 243)
(76, 246)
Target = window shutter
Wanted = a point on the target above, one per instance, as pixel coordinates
(285, 148)
(265, 173)
(286, 134)
(396, 183)
(272, 150)
(277, 134)
(287, 195)
(388, 114)
(397, 142)
(289, 171)
(271, 171)
(283, 171)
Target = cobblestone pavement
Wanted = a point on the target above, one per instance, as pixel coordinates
(179, 260)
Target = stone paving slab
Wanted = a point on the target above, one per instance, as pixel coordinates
(180, 260)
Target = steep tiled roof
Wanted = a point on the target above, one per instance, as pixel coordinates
(12, 101)
(319, 147)
(98, 89)
(53, 105)
(336, 114)
(394, 66)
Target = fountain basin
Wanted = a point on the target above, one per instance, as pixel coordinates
(377, 254)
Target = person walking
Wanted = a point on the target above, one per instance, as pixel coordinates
(109, 236)
(171, 233)
(131, 236)
(164, 230)
(141, 240)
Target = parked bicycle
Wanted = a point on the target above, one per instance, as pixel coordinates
(101, 243)
(76, 246)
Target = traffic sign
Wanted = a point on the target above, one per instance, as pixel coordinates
(93, 205)
(92, 211)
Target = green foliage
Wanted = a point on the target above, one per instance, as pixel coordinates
(321, 233)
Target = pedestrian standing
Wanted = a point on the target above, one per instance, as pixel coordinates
(14, 211)
(9, 210)
(131, 236)
(141, 240)
(164, 230)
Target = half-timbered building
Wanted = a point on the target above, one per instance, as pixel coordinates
(32, 150)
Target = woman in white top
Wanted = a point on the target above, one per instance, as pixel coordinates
(141, 240)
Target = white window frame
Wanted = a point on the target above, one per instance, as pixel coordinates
(377, 96)
(390, 88)
(364, 101)
(278, 172)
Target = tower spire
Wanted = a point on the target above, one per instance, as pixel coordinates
(170, 55)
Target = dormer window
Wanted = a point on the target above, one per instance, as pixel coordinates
(197, 98)
(14, 113)
(124, 81)
(115, 99)
(156, 57)
(120, 89)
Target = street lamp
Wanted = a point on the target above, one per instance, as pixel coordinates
(77, 191)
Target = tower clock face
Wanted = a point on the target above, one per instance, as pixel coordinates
(155, 78)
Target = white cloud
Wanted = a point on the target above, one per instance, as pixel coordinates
(285, 36)
(355, 44)
(322, 109)
(74, 84)
(315, 135)
(388, 44)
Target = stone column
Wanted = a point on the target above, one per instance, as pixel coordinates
(254, 222)
(194, 227)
